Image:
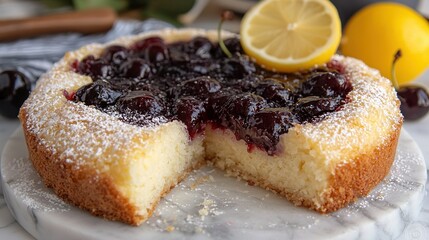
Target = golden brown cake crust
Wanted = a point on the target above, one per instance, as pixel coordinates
(84, 187)
(78, 186)
(359, 176)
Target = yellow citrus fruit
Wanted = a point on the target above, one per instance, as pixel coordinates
(291, 35)
(377, 31)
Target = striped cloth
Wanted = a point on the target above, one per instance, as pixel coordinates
(35, 56)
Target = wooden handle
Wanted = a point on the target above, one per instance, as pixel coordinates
(87, 21)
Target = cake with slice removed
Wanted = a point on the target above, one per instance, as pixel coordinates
(112, 128)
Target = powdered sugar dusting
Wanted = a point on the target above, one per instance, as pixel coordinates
(28, 187)
(370, 116)
(54, 121)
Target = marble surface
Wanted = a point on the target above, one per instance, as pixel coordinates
(210, 205)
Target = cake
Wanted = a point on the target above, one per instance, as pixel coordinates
(114, 140)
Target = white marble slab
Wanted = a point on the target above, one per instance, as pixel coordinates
(209, 205)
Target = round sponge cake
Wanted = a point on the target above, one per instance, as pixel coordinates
(120, 171)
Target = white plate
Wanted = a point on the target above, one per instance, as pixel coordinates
(210, 205)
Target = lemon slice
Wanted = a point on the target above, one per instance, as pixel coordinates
(291, 35)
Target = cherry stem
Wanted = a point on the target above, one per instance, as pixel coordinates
(397, 55)
(227, 15)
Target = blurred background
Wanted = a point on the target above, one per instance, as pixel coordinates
(180, 13)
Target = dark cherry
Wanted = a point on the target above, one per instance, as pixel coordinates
(144, 43)
(233, 45)
(192, 113)
(14, 90)
(115, 54)
(217, 102)
(311, 107)
(135, 68)
(242, 106)
(143, 102)
(156, 53)
(200, 86)
(177, 53)
(274, 92)
(99, 93)
(326, 84)
(414, 101)
(237, 67)
(267, 125)
(200, 47)
(95, 68)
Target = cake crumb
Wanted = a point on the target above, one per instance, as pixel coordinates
(170, 228)
(211, 178)
(203, 212)
(199, 230)
(199, 181)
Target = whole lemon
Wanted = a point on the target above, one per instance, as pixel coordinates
(377, 31)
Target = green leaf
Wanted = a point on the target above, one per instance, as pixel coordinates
(170, 8)
(57, 3)
(117, 5)
(148, 13)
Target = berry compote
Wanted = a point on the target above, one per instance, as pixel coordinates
(194, 82)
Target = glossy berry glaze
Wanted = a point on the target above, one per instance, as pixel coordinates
(194, 82)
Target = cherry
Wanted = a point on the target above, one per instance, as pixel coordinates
(200, 86)
(240, 108)
(326, 84)
(143, 102)
(135, 68)
(146, 42)
(14, 90)
(267, 125)
(274, 92)
(99, 93)
(95, 68)
(311, 107)
(192, 113)
(200, 47)
(237, 67)
(414, 99)
(156, 53)
(116, 54)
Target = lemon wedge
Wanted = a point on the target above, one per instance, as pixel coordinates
(291, 35)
